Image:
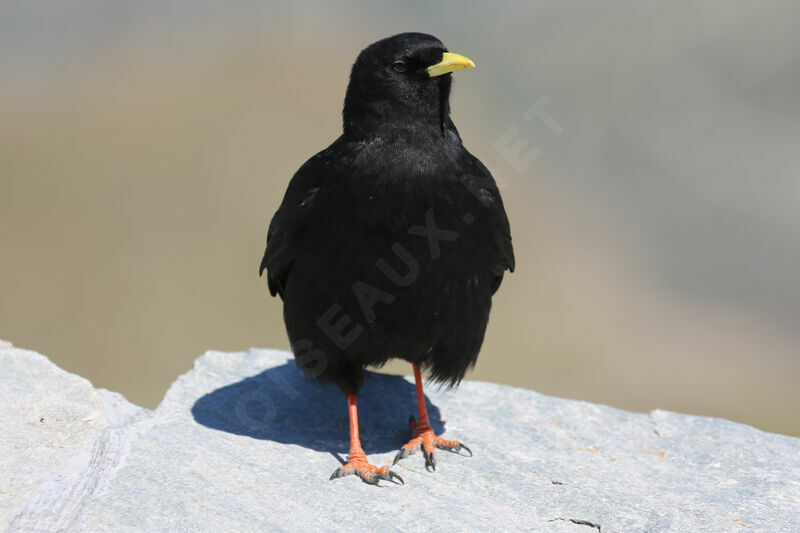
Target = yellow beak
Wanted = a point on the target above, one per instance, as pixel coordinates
(450, 63)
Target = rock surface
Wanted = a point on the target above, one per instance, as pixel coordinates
(242, 442)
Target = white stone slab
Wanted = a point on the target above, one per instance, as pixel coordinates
(243, 443)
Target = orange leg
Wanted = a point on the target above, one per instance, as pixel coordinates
(357, 460)
(422, 434)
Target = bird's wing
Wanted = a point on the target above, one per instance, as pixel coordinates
(290, 219)
(483, 187)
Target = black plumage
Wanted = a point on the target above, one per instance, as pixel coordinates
(391, 242)
(367, 206)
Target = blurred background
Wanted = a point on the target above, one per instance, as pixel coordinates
(648, 153)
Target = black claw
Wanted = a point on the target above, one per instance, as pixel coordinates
(464, 446)
(400, 455)
(336, 474)
(391, 476)
(430, 460)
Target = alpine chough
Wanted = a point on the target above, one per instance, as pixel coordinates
(390, 242)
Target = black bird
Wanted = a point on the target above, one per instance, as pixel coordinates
(390, 242)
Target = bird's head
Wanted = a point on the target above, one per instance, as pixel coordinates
(401, 80)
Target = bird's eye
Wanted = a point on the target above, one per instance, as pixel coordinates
(399, 66)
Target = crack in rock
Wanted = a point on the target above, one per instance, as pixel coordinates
(579, 522)
(552, 480)
(654, 422)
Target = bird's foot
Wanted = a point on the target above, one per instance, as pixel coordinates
(425, 439)
(357, 464)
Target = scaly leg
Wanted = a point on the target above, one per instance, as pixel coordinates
(422, 434)
(357, 460)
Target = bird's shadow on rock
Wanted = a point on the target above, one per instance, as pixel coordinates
(280, 405)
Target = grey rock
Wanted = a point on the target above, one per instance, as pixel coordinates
(242, 442)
